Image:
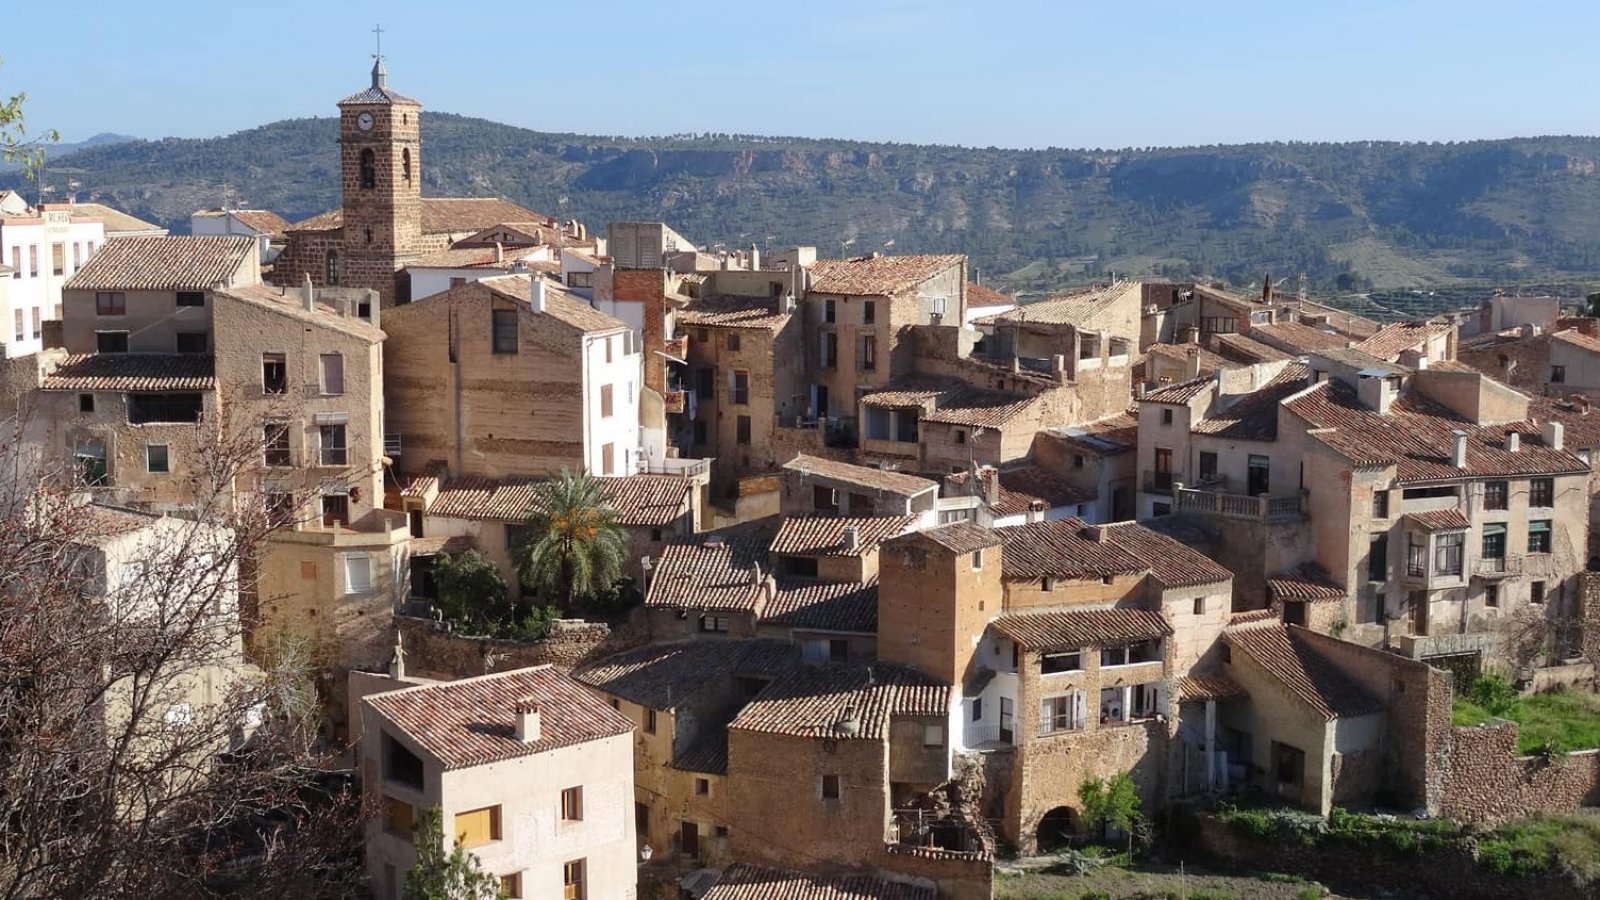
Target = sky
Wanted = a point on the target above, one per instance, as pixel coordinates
(1024, 73)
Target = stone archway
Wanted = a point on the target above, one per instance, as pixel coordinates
(1058, 828)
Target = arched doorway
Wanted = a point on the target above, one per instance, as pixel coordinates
(1058, 828)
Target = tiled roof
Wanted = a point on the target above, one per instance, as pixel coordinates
(877, 275)
(639, 500)
(1076, 308)
(742, 881)
(1195, 688)
(1438, 520)
(473, 258)
(661, 676)
(871, 478)
(1180, 353)
(1580, 422)
(1296, 338)
(955, 402)
(809, 605)
(116, 221)
(1107, 437)
(1307, 581)
(472, 722)
(1398, 337)
(377, 94)
(707, 755)
(815, 701)
(1066, 630)
(1577, 339)
(133, 372)
(734, 312)
(440, 215)
(1026, 488)
(1232, 298)
(1417, 438)
(1254, 416)
(1180, 393)
(1305, 673)
(1252, 617)
(560, 304)
(291, 303)
(1066, 548)
(959, 537)
(166, 263)
(717, 572)
(1342, 321)
(1245, 349)
(262, 221)
(824, 535)
(980, 296)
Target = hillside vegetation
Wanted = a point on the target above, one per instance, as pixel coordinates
(1382, 215)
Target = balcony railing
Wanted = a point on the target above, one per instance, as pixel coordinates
(1261, 508)
(1497, 566)
(1158, 482)
(684, 468)
(1423, 647)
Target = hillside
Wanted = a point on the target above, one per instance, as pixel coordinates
(1384, 215)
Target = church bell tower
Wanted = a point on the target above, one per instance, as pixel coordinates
(380, 152)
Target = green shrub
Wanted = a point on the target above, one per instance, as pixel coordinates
(1566, 844)
(1309, 892)
(1493, 694)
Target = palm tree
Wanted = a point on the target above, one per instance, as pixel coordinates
(575, 547)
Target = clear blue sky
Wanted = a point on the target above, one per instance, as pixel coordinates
(1030, 73)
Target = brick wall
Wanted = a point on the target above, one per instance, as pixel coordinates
(1486, 782)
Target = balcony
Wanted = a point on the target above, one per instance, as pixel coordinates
(1158, 482)
(677, 348)
(1497, 567)
(1424, 647)
(671, 465)
(675, 401)
(1262, 508)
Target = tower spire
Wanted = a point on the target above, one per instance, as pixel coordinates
(380, 75)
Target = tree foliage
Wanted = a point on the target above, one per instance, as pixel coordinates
(15, 144)
(438, 875)
(1110, 803)
(575, 548)
(471, 589)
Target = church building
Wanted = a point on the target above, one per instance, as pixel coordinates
(384, 222)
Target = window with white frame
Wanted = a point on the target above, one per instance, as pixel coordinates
(1061, 713)
(357, 573)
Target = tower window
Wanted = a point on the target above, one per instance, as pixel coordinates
(369, 234)
(332, 277)
(405, 164)
(369, 169)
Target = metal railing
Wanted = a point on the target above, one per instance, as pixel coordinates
(1497, 566)
(1261, 508)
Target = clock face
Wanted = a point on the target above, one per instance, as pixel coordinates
(364, 121)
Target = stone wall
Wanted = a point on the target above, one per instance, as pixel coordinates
(434, 652)
(1487, 782)
(1588, 611)
(959, 875)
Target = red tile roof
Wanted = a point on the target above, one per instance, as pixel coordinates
(1023, 489)
(262, 221)
(1245, 349)
(1308, 675)
(1398, 337)
(1074, 629)
(1195, 688)
(477, 258)
(1066, 548)
(1076, 308)
(734, 312)
(1296, 338)
(639, 500)
(957, 537)
(807, 605)
(1308, 581)
(1254, 416)
(708, 754)
(1180, 353)
(869, 477)
(472, 722)
(290, 302)
(1180, 393)
(824, 535)
(560, 304)
(662, 676)
(818, 701)
(133, 372)
(879, 276)
(166, 263)
(980, 296)
(1438, 520)
(954, 402)
(743, 881)
(1107, 437)
(718, 572)
(1577, 339)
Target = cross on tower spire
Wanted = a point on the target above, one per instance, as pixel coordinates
(380, 75)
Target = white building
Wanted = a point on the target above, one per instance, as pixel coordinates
(265, 226)
(613, 367)
(529, 771)
(442, 270)
(43, 246)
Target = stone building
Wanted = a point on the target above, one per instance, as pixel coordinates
(529, 772)
(1565, 362)
(384, 222)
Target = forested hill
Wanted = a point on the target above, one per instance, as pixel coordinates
(1379, 214)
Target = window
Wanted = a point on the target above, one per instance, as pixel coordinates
(1208, 463)
(1065, 661)
(1495, 494)
(156, 460)
(332, 374)
(1380, 504)
(714, 624)
(405, 169)
(829, 312)
(608, 458)
(274, 373)
(111, 341)
(510, 885)
(1199, 606)
(369, 169)
(580, 279)
(77, 256)
(1541, 492)
(701, 432)
(21, 325)
(1558, 374)
(331, 267)
(1417, 555)
(36, 329)
(16, 261)
(830, 350)
(400, 817)
(573, 880)
(650, 721)
(192, 342)
(1077, 460)
(1166, 417)
(357, 573)
(146, 408)
(977, 709)
(830, 783)
(1536, 592)
(33, 260)
(1494, 547)
(191, 298)
(1539, 536)
(572, 804)
(1491, 596)
(733, 341)
(58, 258)
(1127, 654)
(740, 388)
(605, 401)
(110, 303)
(869, 312)
(90, 457)
(1378, 558)
(86, 403)
(504, 327)
(702, 787)
(1258, 469)
(742, 426)
(477, 827)
(331, 441)
(275, 435)
(933, 735)
(335, 508)
(1064, 713)
(1447, 553)
(977, 560)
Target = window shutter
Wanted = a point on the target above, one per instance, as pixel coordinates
(861, 354)
(1077, 710)
(1044, 716)
(730, 385)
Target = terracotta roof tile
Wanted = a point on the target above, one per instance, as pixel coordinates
(1254, 416)
(871, 478)
(878, 275)
(980, 296)
(1438, 520)
(474, 258)
(1245, 349)
(1024, 488)
(1577, 339)
(1180, 393)
(734, 312)
(639, 500)
(1076, 308)
(718, 572)
(560, 304)
(816, 701)
(1066, 548)
(1293, 337)
(1067, 630)
(1308, 581)
(117, 222)
(166, 263)
(808, 605)
(471, 722)
(661, 676)
(954, 402)
(1398, 337)
(707, 755)
(1107, 437)
(1180, 353)
(290, 302)
(262, 221)
(435, 546)
(824, 535)
(133, 372)
(1195, 688)
(742, 881)
(1307, 674)
(958, 537)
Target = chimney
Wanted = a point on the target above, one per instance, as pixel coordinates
(1191, 364)
(527, 720)
(852, 538)
(1513, 441)
(755, 258)
(1553, 434)
(1098, 533)
(374, 309)
(1459, 457)
(991, 487)
(1189, 334)
(755, 575)
(499, 253)
(537, 293)
(1058, 366)
(309, 294)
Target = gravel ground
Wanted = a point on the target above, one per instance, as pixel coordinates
(1148, 882)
